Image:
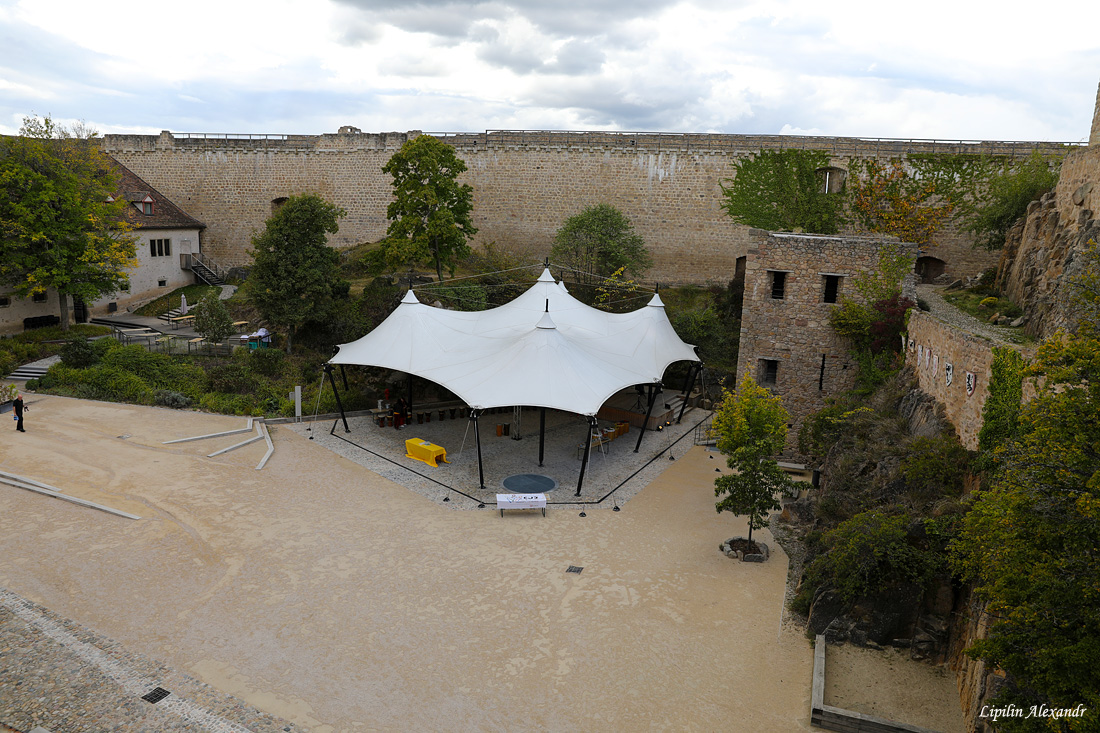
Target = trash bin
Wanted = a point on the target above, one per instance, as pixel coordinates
(453, 413)
(442, 414)
(500, 429)
(507, 428)
(420, 418)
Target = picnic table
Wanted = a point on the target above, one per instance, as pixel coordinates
(239, 326)
(177, 320)
(128, 334)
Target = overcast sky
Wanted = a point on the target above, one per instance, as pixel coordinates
(948, 69)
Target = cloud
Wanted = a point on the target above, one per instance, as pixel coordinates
(453, 18)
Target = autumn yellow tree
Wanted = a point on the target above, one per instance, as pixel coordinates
(888, 198)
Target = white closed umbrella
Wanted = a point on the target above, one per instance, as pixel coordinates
(183, 305)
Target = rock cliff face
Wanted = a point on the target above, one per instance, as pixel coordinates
(1041, 252)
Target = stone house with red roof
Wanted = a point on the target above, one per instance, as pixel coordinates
(166, 235)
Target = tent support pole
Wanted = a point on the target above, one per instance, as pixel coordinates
(344, 375)
(587, 449)
(695, 369)
(328, 371)
(653, 390)
(474, 415)
(410, 400)
(542, 433)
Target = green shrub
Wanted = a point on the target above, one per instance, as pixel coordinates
(227, 404)
(935, 467)
(7, 362)
(233, 378)
(268, 362)
(988, 302)
(168, 398)
(869, 553)
(32, 385)
(136, 360)
(79, 353)
(115, 385)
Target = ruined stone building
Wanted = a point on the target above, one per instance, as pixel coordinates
(792, 282)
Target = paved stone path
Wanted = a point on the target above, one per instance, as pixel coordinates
(933, 296)
(61, 676)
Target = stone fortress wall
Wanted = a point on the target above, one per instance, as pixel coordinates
(525, 185)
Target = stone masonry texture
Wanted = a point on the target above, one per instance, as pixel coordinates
(525, 185)
(813, 362)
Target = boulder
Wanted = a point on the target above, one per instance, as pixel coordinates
(826, 608)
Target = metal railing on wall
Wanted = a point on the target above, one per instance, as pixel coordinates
(727, 142)
(698, 141)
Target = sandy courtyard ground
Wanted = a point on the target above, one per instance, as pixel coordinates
(328, 595)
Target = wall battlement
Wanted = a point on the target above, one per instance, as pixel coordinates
(526, 184)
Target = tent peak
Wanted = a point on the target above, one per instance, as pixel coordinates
(546, 322)
(656, 301)
(546, 277)
(410, 297)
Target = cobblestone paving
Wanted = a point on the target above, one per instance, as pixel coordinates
(382, 450)
(67, 679)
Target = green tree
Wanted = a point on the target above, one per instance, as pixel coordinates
(294, 277)
(597, 243)
(751, 425)
(783, 190)
(60, 226)
(430, 212)
(1029, 543)
(890, 199)
(212, 319)
(1007, 196)
(855, 318)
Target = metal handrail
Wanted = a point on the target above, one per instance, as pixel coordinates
(209, 265)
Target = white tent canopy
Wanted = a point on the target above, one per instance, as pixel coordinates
(543, 349)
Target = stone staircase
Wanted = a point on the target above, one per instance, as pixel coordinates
(34, 370)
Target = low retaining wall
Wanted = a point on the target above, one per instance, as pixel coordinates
(954, 367)
(830, 718)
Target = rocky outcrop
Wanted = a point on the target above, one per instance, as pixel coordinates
(1041, 252)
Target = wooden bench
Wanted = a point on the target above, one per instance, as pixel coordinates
(177, 320)
(521, 501)
(239, 326)
(194, 342)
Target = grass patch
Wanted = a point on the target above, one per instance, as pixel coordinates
(167, 302)
(971, 302)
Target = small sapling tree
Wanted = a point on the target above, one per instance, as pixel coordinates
(751, 425)
(212, 319)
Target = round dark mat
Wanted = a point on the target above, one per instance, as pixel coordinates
(529, 483)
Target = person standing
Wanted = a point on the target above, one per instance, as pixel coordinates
(19, 408)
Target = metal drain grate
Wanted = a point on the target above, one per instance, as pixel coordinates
(156, 695)
(574, 569)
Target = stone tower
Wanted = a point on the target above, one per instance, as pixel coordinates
(1094, 136)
